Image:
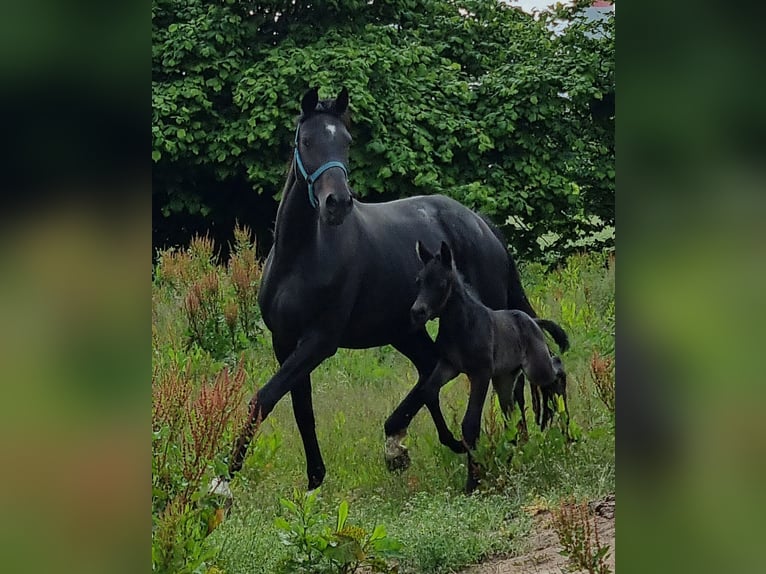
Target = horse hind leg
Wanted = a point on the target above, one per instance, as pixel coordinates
(541, 373)
(510, 392)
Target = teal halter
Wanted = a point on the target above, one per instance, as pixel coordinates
(310, 179)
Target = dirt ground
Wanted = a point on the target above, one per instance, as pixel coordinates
(543, 556)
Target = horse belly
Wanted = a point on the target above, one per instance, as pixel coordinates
(368, 332)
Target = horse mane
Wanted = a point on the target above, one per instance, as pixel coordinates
(464, 285)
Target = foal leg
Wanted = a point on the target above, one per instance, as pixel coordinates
(539, 368)
(442, 374)
(472, 425)
(420, 349)
(537, 404)
(510, 391)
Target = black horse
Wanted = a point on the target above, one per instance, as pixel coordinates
(483, 343)
(341, 274)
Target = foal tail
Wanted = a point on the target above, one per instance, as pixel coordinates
(558, 334)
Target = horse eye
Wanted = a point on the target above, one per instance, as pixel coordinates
(305, 142)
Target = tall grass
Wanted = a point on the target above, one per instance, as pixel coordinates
(354, 391)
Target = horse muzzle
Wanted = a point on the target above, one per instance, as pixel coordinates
(418, 316)
(336, 207)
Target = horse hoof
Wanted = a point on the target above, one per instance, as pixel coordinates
(397, 457)
(399, 462)
(316, 479)
(220, 486)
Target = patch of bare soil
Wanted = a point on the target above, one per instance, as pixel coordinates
(543, 554)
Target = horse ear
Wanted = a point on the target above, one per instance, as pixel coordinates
(423, 252)
(341, 102)
(446, 255)
(309, 101)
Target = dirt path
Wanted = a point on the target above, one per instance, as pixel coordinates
(543, 555)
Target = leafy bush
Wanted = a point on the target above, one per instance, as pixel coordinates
(473, 98)
(220, 303)
(502, 452)
(578, 535)
(192, 428)
(317, 547)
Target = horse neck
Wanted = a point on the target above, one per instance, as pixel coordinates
(460, 306)
(296, 218)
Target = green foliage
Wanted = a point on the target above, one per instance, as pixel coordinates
(353, 392)
(472, 98)
(503, 453)
(578, 534)
(317, 547)
(220, 304)
(192, 428)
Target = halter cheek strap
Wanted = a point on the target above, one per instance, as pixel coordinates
(311, 179)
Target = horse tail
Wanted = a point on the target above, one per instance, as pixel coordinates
(517, 298)
(558, 334)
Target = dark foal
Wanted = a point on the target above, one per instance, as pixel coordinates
(481, 342)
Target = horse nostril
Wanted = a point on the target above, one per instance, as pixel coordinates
(331, 201)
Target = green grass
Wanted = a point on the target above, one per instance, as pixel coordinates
(441, 529)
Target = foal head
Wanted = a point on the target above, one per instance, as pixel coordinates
(435, 283)
(321, 154)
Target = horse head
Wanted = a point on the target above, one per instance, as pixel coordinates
(435, 282)
(322, 141)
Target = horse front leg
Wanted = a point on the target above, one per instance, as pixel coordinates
(310, 351)
(303, 410)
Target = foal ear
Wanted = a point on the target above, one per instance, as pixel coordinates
(423, 252)
(309, 101)
(446, 255)
(341, 102)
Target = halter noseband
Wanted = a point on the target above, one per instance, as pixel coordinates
(310, 179)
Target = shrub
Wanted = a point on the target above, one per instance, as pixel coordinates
(191, 433)
(578, 535)
(602, 372)
(318, 547)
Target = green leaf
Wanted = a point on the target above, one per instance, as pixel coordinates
(289, 505)
(342, 515)
(156, 155)
(378, 533)
(282, 524)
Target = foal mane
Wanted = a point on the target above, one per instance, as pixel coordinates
(465, 286)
